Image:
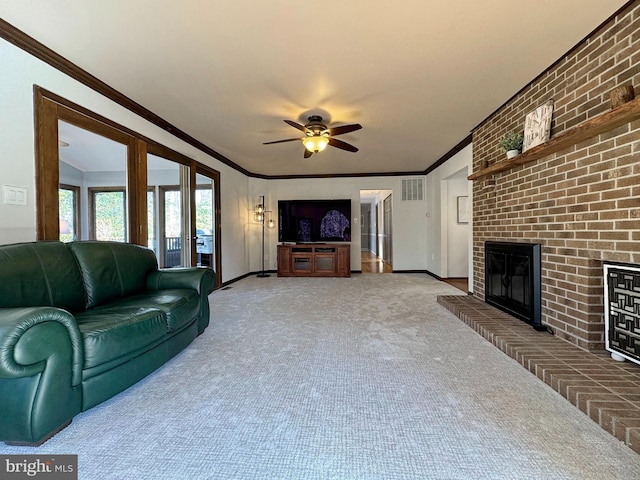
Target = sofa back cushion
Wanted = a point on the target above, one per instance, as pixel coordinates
(112, 270)
(40, 274)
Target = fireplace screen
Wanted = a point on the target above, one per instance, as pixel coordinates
(622, 310)
(512, 279)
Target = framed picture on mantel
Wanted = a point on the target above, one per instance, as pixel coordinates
(537, 126)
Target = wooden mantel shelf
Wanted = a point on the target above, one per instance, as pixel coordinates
(625, 113)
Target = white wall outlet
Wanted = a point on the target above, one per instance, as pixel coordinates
(15, 195)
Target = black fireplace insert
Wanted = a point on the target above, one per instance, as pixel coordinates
(512, 279)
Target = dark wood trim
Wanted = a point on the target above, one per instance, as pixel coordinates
(33, 47)
(49, 110)
(214, 175)
(241, 277)
(45, 54)
(421, 272)
(160, 150)
(137, 182)
(437, 277)
(339, 175)
(47, 171)
(455, 150)
(41, 52)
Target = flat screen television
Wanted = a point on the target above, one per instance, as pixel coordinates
(308, 221)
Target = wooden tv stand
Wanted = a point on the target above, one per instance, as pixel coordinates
(314, 260)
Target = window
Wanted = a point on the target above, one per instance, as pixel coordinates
(108, 214)
(151, 220)
(86, 160)
(69, 206)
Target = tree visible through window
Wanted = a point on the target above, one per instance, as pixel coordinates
(204, 210)
(68, 212)
(151, 220)
(109, 215)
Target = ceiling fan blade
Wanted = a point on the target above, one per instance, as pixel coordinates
(307, 153)
(334, 142)
(282, 141)
(302, 128)
(344, 129)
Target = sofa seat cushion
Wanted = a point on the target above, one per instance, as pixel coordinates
(111, 332)
(180, 305)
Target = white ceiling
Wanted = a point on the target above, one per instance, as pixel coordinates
(418, 75)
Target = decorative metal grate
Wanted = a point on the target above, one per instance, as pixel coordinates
(622, 310)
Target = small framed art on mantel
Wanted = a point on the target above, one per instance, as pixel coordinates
(537, 126)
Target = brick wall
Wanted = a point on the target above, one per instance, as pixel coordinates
(583, 203)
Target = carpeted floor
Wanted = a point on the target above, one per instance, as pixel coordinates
(359, 378)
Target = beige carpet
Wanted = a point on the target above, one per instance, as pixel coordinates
(361, 378)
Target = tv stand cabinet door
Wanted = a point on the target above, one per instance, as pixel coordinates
(343, 267)
(324, 264)
(284, 260)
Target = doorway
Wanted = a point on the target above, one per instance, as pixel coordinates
(455, 229)
(376, 252)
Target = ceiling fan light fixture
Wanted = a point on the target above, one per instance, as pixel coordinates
(315, 143)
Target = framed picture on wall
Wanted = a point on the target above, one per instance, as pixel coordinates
(463, 210)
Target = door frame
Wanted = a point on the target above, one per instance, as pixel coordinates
(49, 108)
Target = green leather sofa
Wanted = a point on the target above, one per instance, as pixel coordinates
(83, 321)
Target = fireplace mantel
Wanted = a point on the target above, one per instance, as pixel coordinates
(625, 113)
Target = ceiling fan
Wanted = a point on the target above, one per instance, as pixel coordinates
(317, 136)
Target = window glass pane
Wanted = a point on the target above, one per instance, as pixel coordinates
(204, 210)
(204, 222)
(94, 163)
(172, 213)
(110, 216)
(171, 229)
(151, 221)
(67, 209)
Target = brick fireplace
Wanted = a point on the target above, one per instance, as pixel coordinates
(582, 203)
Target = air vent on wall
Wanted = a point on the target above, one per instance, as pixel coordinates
(412, 189)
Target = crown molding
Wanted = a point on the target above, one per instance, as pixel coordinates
(38, 50)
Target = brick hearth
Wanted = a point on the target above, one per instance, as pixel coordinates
(605, 390)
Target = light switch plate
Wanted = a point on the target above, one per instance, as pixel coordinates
(15, 195)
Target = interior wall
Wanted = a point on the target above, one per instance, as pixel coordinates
(457, 251)
(409, 232)
(20, 72)
(440, 217)
(414, 246)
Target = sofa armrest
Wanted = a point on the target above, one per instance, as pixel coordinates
(24, 353)
(41, 358)
(200, 279)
